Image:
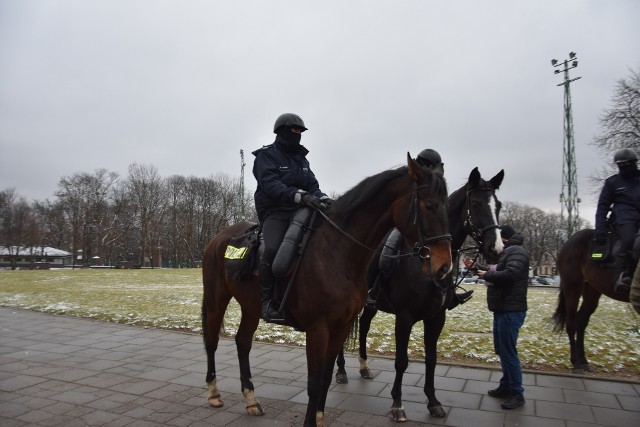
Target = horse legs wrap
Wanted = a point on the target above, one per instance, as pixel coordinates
(214, 395)
(253, 406)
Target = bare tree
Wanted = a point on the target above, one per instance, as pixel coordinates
(16, 223)
(145, 187)
(620, 124)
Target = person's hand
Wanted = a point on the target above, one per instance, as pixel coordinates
(467, 262)
(312, 201)
(326, 200)
(481, 273)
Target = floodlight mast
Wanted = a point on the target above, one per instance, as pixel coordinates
(569, 199)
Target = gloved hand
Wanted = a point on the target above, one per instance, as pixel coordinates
(312, 201)
(326, 200)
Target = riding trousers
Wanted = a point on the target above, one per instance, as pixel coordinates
(506, 326)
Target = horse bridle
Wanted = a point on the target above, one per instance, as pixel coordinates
(472, 230)
(421, 248)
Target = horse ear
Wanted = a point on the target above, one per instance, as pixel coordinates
(497, 180)
(474, 177)
(413, 168)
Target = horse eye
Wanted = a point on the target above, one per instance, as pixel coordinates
(429, 205)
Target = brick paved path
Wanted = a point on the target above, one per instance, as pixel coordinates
(63, 371)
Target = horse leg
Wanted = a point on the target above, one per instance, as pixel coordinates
(248, 325)
(432, 332)
(403, 330)
(341, 375)
(571, 300)
(317, 345)
(212, 314)
(365, 325)
(589, 305)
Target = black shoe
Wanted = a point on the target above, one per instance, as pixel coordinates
(465, 296)
(514, 401)
(270, 314)
(371, 302)
(623, 284)
(501, 392)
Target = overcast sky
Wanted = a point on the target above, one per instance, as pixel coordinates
(185, 85)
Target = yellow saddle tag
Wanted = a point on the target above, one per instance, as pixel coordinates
(235, 253)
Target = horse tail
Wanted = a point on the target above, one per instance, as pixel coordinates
(560, 316)
(352, 339)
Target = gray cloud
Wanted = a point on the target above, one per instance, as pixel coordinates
(185, 85)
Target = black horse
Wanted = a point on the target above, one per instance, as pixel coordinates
(412, 296)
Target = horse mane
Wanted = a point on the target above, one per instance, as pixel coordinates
(370, 187)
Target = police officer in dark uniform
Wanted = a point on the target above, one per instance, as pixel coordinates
(621, 190)
(285, 183)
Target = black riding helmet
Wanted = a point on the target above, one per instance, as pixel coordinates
(290, 120)
(625, 155)
(429, 157)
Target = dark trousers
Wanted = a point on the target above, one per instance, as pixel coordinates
(274, 227)
(506, 327)
(626, 237)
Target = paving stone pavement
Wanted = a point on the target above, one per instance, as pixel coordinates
(63, 371)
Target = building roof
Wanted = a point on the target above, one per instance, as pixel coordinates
(37, 250)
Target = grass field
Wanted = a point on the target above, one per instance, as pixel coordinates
(171, 299)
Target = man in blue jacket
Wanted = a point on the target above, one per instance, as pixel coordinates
(285, 183)
(507, 286)
(621, 194)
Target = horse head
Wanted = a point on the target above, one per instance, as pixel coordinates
(482, 210)
(421, 217)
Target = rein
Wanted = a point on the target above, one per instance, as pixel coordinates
(420, 249)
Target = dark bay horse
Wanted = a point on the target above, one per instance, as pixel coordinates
(330, 287)
(581, 277)
(473, 211)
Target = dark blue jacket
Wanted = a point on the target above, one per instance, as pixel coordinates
(281, 170)
(624, 194)
(507, 290)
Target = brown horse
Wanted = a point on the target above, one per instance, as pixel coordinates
(330, 287)
(580, 277)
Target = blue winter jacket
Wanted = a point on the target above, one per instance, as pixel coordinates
(281, 170)
(624, 194)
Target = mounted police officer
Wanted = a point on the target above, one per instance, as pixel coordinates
(285, 183)
(621, 194)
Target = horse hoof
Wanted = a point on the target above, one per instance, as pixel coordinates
(398, 415)
(366, 374)
(437, 411)
(255, 409)
(215, 401)
(582, 369)
(342, 378)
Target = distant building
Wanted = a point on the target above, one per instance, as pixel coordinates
(34, 257)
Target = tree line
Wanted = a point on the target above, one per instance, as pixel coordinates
(133, 219)
(145, 216)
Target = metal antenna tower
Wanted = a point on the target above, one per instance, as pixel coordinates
(569, 199)
(241, 190)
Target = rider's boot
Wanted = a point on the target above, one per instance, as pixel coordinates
(372, 295)
(623, 280)
(267, 285)
(459, 299)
